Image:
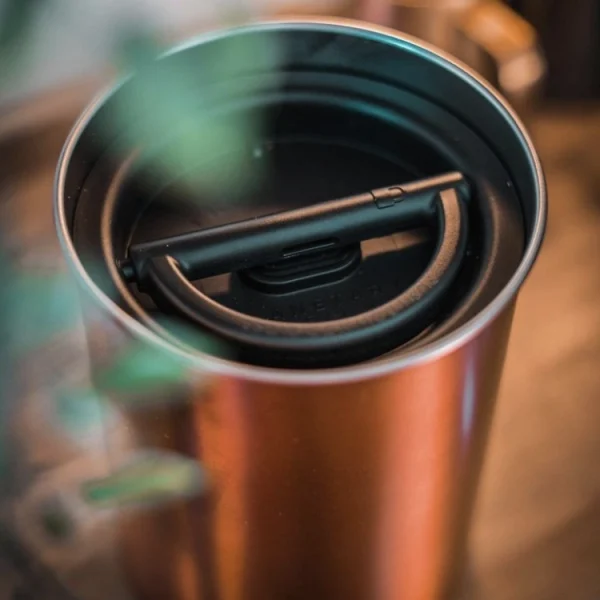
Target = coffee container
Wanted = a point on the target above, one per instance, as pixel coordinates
(361, 302)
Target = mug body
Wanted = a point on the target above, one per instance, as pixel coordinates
(334, 471)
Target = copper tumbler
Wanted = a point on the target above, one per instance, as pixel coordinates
(361, 293)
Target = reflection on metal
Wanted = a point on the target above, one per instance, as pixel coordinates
(469, 396)
(321, 481)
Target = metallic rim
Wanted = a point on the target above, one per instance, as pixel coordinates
(219, 366)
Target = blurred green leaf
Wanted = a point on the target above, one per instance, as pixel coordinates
(18, 19)
(142, 369)
(56, 520)
(143, 372)
(39, 306)
(80, 408)
(167, 111)
(152, 477)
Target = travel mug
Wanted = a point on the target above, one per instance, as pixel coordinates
(358, 296)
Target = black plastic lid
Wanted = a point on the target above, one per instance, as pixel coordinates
(386, 218)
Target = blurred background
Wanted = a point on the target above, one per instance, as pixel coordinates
(537, 527)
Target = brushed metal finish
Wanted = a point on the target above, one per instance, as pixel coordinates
(356, 491)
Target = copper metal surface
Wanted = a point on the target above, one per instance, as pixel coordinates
(351, 491)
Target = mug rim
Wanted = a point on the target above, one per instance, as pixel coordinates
(204, 363)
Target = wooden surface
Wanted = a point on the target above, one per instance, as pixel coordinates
(537, 528)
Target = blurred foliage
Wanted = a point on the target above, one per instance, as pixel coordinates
(142, 370)
(38, 306)
(17, 18)
(79, 408)
(56, 520)
(151, 478)
(165, 109)
(5, 365)
(17, 21)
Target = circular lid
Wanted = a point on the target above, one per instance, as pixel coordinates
(381, 198)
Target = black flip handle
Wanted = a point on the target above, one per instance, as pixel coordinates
(164, 268)
(256, 242)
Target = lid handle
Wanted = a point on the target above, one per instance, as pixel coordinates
(293, 233)
(165, 267)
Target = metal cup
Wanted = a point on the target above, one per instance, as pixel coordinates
(340, 478)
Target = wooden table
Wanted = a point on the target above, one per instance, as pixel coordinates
(537, 527)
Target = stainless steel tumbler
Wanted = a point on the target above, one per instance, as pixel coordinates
(362, 292)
